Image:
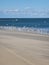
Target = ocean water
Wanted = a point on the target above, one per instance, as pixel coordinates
(36, 25)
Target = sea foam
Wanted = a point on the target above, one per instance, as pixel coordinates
(26, 29)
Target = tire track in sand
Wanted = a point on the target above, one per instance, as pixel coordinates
(21, 57)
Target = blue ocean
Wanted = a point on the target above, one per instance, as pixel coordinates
(38, 25)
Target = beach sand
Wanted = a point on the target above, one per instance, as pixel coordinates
(18, 48)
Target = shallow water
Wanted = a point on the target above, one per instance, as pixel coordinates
(37, 25)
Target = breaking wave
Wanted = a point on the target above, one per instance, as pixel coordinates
(26, 29)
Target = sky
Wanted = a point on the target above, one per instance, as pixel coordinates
(24, 8)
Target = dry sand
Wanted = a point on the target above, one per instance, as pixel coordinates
(18, 48)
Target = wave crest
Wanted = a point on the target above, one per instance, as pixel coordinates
(26, 29)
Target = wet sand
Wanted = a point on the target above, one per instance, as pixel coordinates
(18, 48)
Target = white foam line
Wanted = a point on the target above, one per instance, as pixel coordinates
(21, 57)
(27, 29)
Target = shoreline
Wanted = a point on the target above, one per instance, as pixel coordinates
(41, 31)
(25, 35)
